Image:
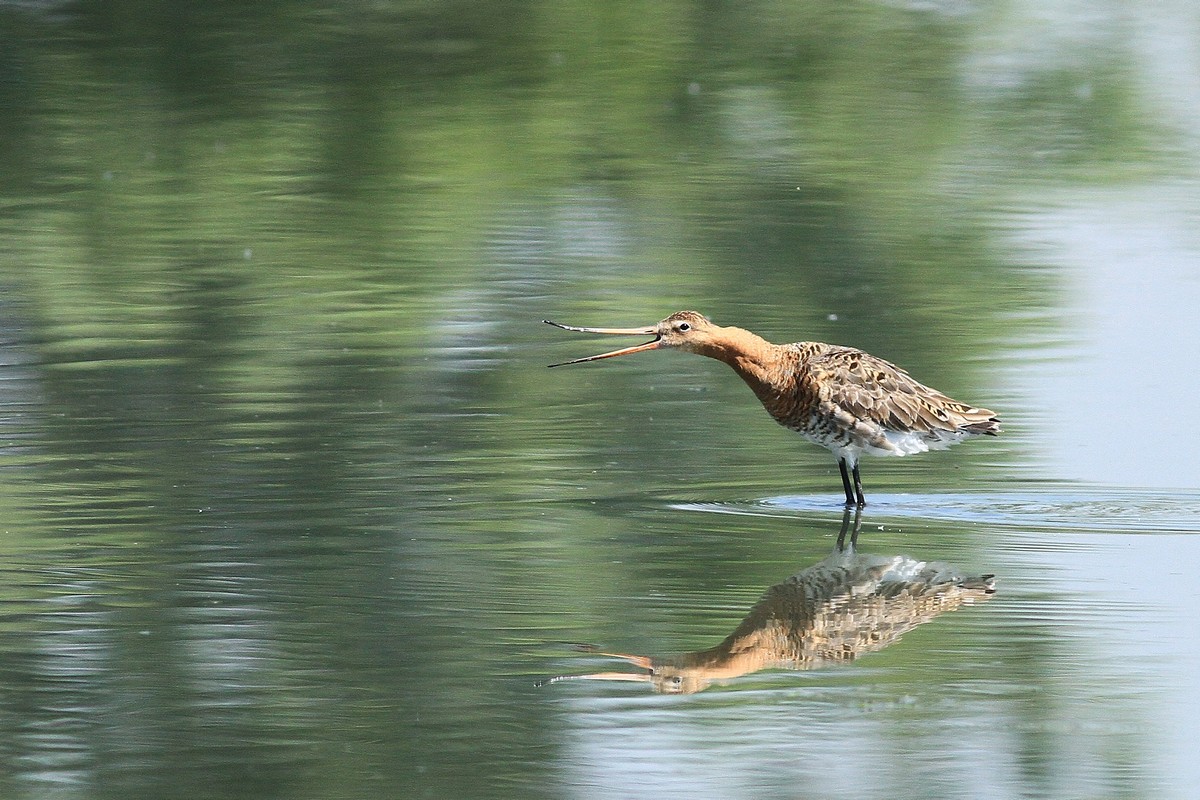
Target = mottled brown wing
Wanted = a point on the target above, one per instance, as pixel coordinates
(873, 390)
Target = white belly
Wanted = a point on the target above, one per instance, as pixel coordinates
(897, 443)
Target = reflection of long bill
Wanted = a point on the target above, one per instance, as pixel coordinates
(651, 345)
(645, 662)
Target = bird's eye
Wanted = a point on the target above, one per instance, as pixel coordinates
(683, 326)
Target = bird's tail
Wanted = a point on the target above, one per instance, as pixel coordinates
(979, 421)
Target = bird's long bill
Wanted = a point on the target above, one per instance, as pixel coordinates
(624, 351)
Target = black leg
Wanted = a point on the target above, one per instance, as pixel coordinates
(858, 495)
(846, 481)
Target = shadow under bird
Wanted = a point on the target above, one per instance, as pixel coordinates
(844, 399)
(831, 613)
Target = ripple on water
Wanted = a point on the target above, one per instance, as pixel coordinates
(1120, 510)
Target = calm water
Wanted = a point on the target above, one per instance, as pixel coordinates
(292, 508)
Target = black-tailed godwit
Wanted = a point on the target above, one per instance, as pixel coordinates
(842, 398)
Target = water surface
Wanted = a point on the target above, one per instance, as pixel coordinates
(291, 506)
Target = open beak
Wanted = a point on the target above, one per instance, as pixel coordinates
(624, 351)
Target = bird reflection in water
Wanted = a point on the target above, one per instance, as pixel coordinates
(846, 605)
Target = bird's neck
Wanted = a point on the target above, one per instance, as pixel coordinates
(765, 367)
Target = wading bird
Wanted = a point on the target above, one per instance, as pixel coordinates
(839, 397)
